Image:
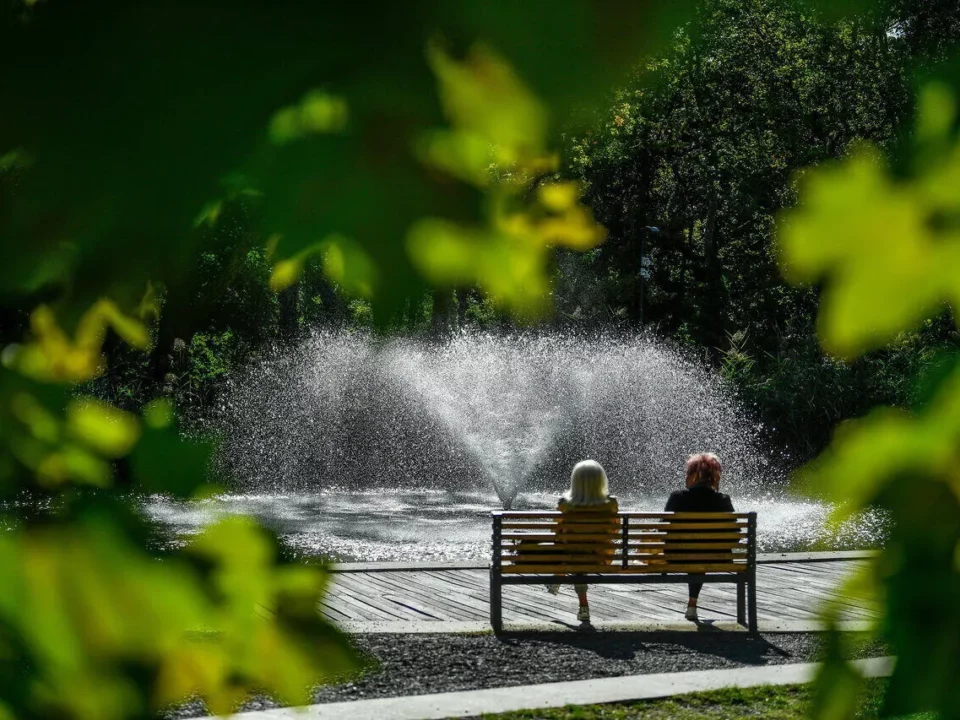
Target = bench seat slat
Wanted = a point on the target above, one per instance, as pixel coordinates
(687, 545)
(720, 556)
(565, 561)
(513, 549)
(573, 525)
(562, 549)
(716, 535)
(613, 535)
(634, 547)
(651, 549)
(685, 515)
(507, 515)
(522, 558)
(577, 527)
(562, 569)
(668, 526)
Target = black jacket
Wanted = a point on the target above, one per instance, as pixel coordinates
(699, 498)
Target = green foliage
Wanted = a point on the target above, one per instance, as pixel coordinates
(883, 246)
(896, 267)
(706, 143)
(703, 143)
(69, 594)
(800, 394)
(161, 166)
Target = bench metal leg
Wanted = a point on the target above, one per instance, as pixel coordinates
(496, 602)
(752, 601)
(742, 603)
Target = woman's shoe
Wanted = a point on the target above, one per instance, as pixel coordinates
(554, 589)
(691, 613)
(583, 614)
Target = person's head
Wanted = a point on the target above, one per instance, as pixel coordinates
(703, 468)
(588, 484)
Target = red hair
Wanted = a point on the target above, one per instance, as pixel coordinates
(703, 467)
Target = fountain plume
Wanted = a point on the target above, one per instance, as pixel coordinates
(475, 411)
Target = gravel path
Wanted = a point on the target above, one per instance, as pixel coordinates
(419, 664)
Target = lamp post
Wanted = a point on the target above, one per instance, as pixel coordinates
(645, 264)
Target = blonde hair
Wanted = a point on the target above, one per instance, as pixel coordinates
(588, 484)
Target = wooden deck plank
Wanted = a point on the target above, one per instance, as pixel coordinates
(361, 592)
(457, 605)
(627, 605)
(785, 592)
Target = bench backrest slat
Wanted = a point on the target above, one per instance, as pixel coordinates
(550, 542)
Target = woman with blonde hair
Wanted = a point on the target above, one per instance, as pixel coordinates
(702, 494)
(587, 499)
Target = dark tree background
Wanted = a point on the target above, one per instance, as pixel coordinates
(705, 144)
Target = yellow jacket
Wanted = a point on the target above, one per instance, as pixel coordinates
(568, 527)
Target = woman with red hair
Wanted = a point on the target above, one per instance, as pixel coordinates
(701, 495)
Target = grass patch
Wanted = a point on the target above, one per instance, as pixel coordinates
(775, 702)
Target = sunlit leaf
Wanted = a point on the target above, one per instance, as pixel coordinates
(149, 307)
(133, 332)
(936, 112)
(85, 602)
(110, 431)
(51, 355)
(837, 686)
(465, 156)
(72, 463)
(510, 272)
(159, 414)
(869, 237)
(344, 261)
(886, 250)
(278, 654)
(317, 112)
(874, 240)
(285, 273)
(483, 97)
(349, 265)
(42, 423)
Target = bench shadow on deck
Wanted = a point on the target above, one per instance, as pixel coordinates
(455, 598)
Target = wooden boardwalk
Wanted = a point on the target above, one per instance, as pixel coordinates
(788, 591)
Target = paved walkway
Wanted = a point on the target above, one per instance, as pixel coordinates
(552, 695)
(455, 598)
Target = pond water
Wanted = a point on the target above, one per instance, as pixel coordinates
(388, 524)
(356, 448)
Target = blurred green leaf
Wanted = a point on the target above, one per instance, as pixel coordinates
(109, 431)
(164, 462)
(318, 112)
(294, 651)
(873, 239)
(869, 453)
(886, 250)
(837, 686)
(485, 101)
(131, 133)
(86, 602)
(159, 414)
(52, 356)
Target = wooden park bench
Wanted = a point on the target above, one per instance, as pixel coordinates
(533, 548)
